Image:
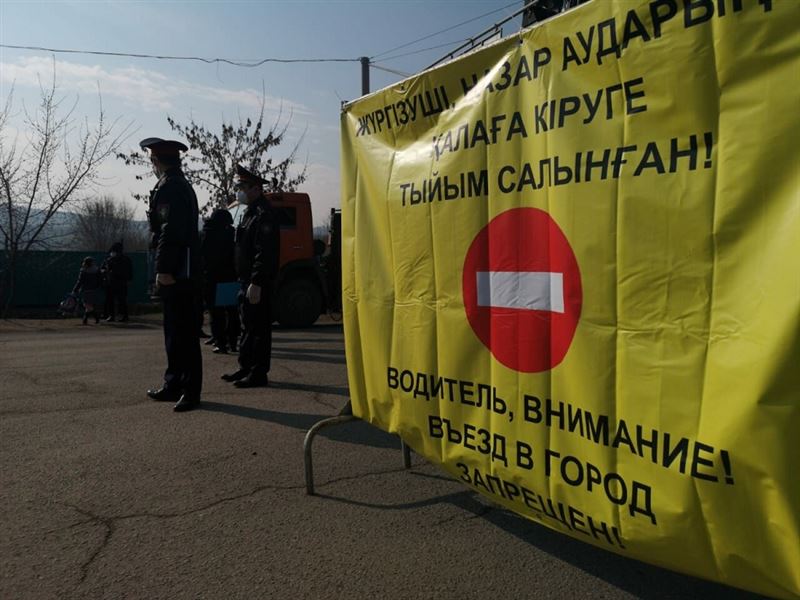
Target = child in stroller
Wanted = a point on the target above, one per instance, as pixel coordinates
(70, 305)
(89, 282)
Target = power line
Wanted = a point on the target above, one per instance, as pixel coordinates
(444, 30)
(235, 63)
(389, 70)
(425, 49)
(480, 36)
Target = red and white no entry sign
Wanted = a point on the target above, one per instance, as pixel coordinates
(522, 290)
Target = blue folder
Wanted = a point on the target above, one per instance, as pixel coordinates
(227, 294)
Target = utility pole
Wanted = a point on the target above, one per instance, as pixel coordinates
(364, 75)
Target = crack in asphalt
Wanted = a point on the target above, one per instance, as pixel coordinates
(110, 523)
(71, 409)
(316, 397)
(291, 371)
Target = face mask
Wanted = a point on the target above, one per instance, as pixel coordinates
(241, 197)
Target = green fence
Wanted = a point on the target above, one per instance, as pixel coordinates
(45, 277)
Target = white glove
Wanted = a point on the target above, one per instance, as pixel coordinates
(253, 293)
(164, 279)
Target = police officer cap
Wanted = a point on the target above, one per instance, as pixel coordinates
(249, 176)
(161, 147)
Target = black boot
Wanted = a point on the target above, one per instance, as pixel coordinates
(187, 403)
(236, 375)
(163, 395)
(252, 381)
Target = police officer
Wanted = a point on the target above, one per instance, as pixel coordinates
(257, 260)
(173, 217)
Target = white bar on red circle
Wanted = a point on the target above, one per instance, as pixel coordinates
(528, 290)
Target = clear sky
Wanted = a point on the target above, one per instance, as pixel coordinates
(145, 91)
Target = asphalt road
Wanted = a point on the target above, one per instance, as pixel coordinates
(107, 494)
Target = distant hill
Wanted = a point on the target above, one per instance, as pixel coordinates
(60, 233)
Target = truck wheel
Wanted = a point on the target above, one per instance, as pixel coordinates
(299, 303)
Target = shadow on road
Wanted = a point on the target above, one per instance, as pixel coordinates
(356, 432)
(456, 498)
(133, 325)
(320, 328)
(640, 579)
(276, 339)
(307, 387)
(337, 352)
(303, 356)
(643, 580)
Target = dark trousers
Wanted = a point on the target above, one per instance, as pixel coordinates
(256, 344)
(182, 305)
(225, 327)
(117, 295)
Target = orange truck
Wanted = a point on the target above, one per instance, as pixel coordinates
(308, 283)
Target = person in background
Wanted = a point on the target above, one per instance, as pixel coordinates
(88, 285)
(219, 267)
(201, 319)
(118, 272)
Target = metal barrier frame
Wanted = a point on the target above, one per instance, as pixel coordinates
(344, 416)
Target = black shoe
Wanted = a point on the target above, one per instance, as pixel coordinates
(209, 342)
(85, 320)
(163, 395)
(236, 376)
(123, 320)
(187, 403)
(109, 319)
(234, 349)
(251, 382)
(220, 350)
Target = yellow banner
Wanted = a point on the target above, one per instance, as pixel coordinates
(572, 278)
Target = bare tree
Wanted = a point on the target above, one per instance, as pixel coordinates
(46, 175)
(102, 221)
(211, 161)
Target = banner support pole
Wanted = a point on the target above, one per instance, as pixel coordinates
(344, 416)
(309, 440)
(406, 454)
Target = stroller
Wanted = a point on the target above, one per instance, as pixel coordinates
(71, 305)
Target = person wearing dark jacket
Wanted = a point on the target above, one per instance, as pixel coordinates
(88, 285)
(219, 267)
(257, 261)
(173, 217)
(118, 272)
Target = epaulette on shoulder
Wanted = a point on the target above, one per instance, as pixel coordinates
(173, 179)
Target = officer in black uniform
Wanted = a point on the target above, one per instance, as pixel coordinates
(173, 217)
(257, 261)
(219, 266)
